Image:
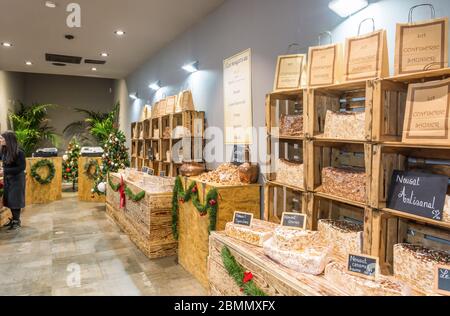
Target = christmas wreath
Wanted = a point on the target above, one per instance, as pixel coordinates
(243, 279)
(41, 164)
(88, 167)
(180, 196)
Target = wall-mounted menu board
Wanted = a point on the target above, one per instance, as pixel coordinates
(237, 81)
(418, 193)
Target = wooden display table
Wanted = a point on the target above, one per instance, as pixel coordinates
(85, 184)
(147, 222)
(193, 240)
(37, 193)
(269, 276)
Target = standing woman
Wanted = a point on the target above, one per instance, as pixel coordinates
(13, 176)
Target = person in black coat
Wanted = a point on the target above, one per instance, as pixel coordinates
(14, 165)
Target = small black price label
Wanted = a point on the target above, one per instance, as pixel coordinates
(363, 266)
(442, 280)
(241, 218)
(162, 174)
(294, 220)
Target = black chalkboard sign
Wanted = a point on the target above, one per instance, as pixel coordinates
(151, 172)
(244, 219)
(162, 174)
(293, 220)
(418, 193)
(442, 283)
(363, 266)
(144, 169)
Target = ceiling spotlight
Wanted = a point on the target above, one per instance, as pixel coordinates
(28, 63)
(104, 54)
(50, 4)
(6, 44)
(155, 85)
(94, 69)
(119, 33)
(345, 8)
(192, 67)
(134, 96)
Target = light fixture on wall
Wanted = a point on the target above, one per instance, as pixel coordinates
(345, 8)
(155, 85)
(134, 96)
(6, 44)
(28, 63)
(104, 54)
(94, 69)
(50, 4)
(191, 67)
(119, 33)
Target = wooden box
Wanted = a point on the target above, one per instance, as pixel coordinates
(193, 228)
(85, 184)
(269, 276)
(351, 97)
(41, 194)
(284, 104)
(337, 154)
(147, 222)
(280, 198)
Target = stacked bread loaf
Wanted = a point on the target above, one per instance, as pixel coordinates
(345, 125)
(290, 173)
(349, 183)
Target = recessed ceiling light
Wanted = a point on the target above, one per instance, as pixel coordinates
(191, 67)
(119, 32)
(347, 8)
(50, 4)
(104, 54)
(94, 69)
(134, 96)
(155, 86)
(28, 63)
(6, 44)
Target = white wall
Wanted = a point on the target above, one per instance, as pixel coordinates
(12, 91)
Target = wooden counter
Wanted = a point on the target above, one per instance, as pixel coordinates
(37, 193)
(193, 240)
(147, 222)
(85, 184)
(269, 276)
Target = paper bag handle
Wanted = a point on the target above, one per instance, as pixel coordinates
(299, 50)
(365, 20)
(325, 33)
(411, 11)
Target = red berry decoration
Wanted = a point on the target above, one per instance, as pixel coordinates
(213, 202)
(194, 189)
(181, 200)
(203, 214)
(248, 276)
(68, 170)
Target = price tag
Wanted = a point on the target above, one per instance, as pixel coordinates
(145, 169)
(442, 280)
(363, 266)
(294, 220)
(244, 219)
(151, 172)
(162, 174)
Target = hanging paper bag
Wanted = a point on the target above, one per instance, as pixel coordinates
(155, 110)
(325, 64)
(427, 115)
(185, 102)
(162, 107)
(171, 104)
(421, 46)
(290, 73)
(366, 56)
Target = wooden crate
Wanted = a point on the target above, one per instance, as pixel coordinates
(291, 150)
(148, 222)
(41, 194)
(156, 128)
(193, 228)
(353, 97)
(166, 167)
(192, 121)
(285, 103)
(147, 126)
(269, 276)
(141, 149)
(320, 207)
(387, 158)
(85, 185)
(5, 215)
(389, 99)
(395, 230)
(337, 154)
(279, 198)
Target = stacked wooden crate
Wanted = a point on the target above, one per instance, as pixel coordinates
(378, 150)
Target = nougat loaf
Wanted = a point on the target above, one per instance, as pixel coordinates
(344, 237)
(256, 234)
(295, 239)
(349, 183)
(311, 260)
(290, 173)
(416, 265)
(336, 273)
(446, 217)
(345, 125)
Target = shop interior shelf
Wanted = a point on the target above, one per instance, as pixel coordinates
(417, 218)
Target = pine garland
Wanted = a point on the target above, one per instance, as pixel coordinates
(114, 187)
(134, 197)
(238, 274)
(209, 208)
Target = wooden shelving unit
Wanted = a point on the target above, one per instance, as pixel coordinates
(380, 153)
(154, 139)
